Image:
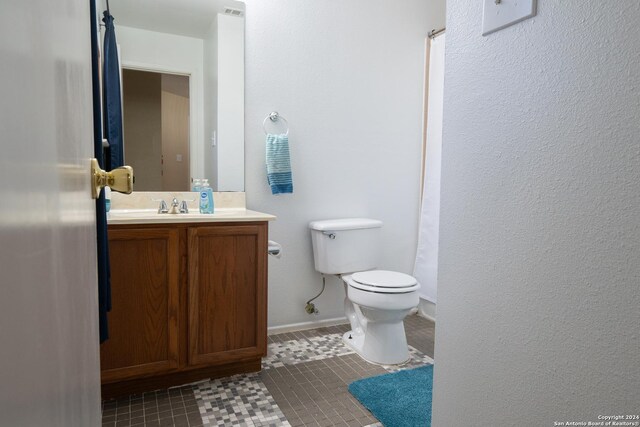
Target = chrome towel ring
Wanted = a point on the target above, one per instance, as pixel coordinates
(274, 117)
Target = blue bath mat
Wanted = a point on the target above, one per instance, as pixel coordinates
(400, 399)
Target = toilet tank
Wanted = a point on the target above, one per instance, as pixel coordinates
(346, 245)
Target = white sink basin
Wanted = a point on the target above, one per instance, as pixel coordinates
(128, 212)
(136, 213)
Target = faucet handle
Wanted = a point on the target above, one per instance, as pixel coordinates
(184, 209)
(162, 209)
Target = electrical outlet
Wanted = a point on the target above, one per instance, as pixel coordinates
(214, 142)
(499, 14)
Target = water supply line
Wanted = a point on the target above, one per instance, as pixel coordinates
(310, 308)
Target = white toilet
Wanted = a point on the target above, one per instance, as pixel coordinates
(377, 301)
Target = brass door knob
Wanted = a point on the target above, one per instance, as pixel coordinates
(120, 179)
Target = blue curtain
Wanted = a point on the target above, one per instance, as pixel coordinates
(111, 92)
(104, 271)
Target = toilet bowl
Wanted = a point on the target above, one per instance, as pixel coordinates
(376, 301)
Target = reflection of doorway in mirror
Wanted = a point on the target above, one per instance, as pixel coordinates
(156, 129)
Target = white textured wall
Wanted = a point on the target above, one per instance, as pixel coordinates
(348, 76)
(539, 300)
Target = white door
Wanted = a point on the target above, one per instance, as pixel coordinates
(49, 351)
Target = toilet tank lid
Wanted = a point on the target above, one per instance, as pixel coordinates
(344, 224)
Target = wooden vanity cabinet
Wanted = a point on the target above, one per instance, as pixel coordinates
(189, 302)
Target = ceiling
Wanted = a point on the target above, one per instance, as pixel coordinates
(183, 17)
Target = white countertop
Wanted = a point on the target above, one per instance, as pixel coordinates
(151, 216)
(141, 207)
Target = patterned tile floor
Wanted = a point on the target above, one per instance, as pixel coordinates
(303, 383)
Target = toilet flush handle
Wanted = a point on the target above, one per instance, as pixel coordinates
(330, 234)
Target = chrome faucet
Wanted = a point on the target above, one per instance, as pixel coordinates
(174, 206)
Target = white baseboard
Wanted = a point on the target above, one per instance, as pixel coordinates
(427, 309)
(272, 330)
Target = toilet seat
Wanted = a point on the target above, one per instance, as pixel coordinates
(383, 281)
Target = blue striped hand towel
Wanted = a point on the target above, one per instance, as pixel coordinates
(279, 164)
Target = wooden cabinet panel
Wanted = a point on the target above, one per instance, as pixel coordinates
(227, 293)
(143, 322)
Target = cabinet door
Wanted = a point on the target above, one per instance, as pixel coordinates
(143, 322)
(227, 293)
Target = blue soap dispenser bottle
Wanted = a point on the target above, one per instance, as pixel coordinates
(206, 198)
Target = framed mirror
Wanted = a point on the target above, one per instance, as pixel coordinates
(182, 67)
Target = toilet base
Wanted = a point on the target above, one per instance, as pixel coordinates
(373, 351)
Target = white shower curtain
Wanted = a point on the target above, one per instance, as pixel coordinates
(426, 266)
